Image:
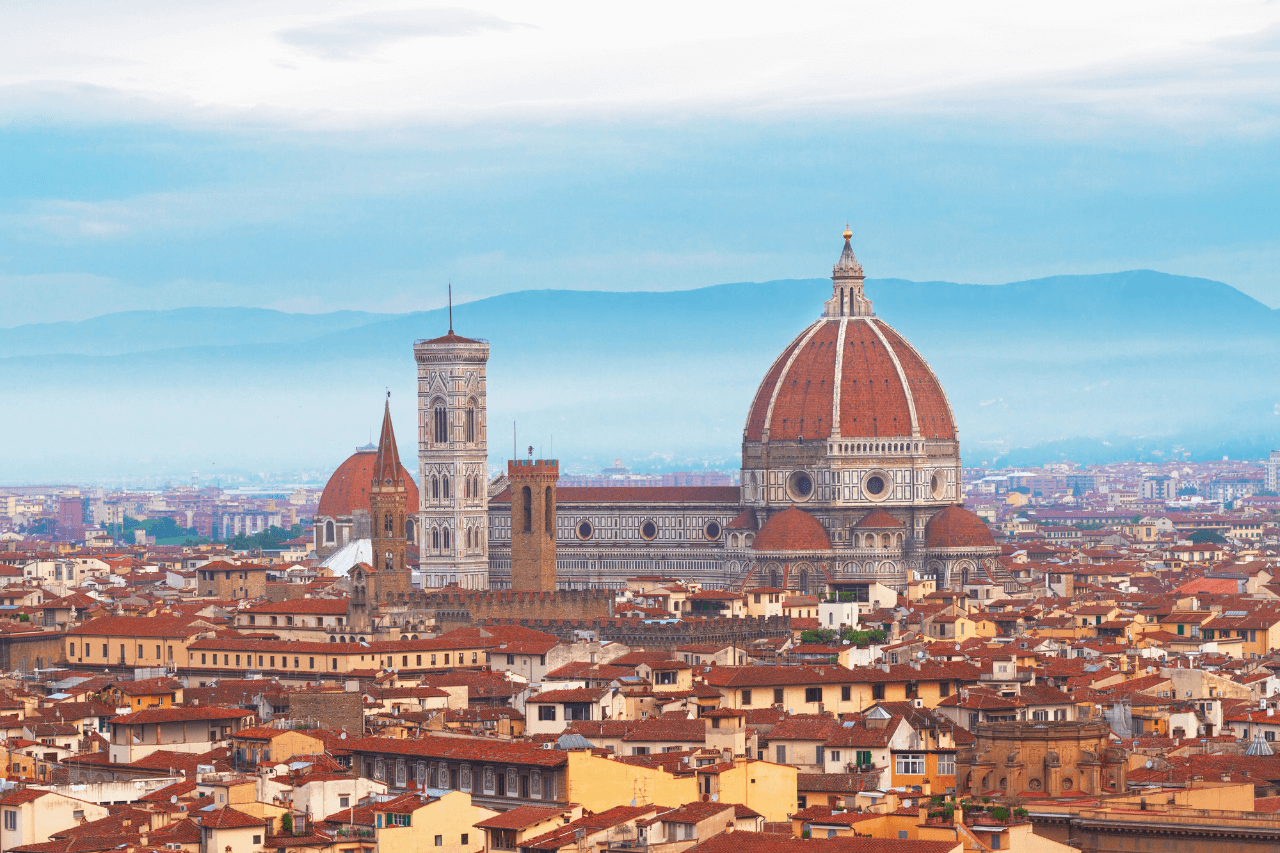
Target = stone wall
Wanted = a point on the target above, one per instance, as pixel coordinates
(330, 709)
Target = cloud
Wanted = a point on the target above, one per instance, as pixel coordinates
(356, 36)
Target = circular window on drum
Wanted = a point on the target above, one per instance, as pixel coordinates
(936, 486)
(711, 530)
(799, 486)
(585, 530)
(877, 486)
(648, 531)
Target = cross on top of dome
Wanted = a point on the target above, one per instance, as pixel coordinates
(847, 299)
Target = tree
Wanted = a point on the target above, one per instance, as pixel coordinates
(1204, 537)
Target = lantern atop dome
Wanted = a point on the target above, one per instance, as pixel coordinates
(847, 298)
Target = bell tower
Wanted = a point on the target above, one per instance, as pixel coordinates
(387, 497)
(453, 510)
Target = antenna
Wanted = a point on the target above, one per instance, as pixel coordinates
(451, 308)
(515, 454)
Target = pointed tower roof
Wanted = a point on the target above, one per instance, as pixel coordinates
(386, 468)
(847, 266)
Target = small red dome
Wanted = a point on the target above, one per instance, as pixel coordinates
(886, 388)
(792, 530)
(956, 527)
(348, 488)
(879, 519)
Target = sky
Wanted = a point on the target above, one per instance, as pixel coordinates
(329, 155)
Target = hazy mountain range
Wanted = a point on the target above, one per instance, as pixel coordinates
(1083, 367)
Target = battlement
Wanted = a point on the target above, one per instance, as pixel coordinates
(533, 468)
(659, 635)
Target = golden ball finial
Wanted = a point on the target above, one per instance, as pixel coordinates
(847, 233)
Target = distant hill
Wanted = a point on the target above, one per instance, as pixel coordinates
(1101, 364)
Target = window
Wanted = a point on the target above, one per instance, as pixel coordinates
(665, 677)
(813, 694)
(782, 754)
(465, 837)
(257, 839)
(909, 764)
(777, 696)
(746, 698)
(877, 692)
(944, 688)
(526, 508)
(862, 757)
(546, 712)
(846, 693)
(439, 840)
(344, 802)
(11, 820)
(946, 764)
(995, 840)
(440, 421)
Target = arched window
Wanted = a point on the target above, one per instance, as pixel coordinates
(435, 537)
(444, 539)
(440, 420)
(409, 529)
(444, 486)
(328, 531)
(549, 513)
(471, 422)
(435, 488)
(389, 525)
(468, 537)
(527, 508)
(388, 564)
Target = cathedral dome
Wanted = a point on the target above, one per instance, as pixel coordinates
(956, 527)
(348, 488)
(792, 530)
(851, 377)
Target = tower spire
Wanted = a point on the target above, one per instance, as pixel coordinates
(451, 308)
(387, 466)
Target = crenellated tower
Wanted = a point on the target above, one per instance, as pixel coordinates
(452, 461)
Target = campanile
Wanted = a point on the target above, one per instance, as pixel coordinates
(533, 523)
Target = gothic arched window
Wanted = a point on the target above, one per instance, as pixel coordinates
(435, 488)
(471, 422)
(444, 538)
(444, 486)
(440, 421)
(527, 508)
(328, 531)
(389, 525)
(390, 566)
(435, 537)
(409, 530)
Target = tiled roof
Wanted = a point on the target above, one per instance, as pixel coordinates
(581, 694)
(769, 676)
(519, 818)
(465, 749)
(957, 527)
(758, 842)
(301, 607)
(817, 727)
(348, 486)
(229, 818)
(131, 627)
(681, 730)
(638, 494)
(184, 714)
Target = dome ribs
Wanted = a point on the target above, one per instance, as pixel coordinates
(765, 393)
(872, 400)
(802, 407)
(933, 411)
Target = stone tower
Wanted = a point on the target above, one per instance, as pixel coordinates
(387, 578)
(452, 462)
(533, 524)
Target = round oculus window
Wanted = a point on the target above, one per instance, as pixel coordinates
(648, 531)
(800, 486)
(712, 530)
(584, 530)
(875, 485)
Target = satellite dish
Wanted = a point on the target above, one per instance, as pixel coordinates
(1150, 763)
(174, 799)
(633, 802)
(715, 798)
(342, 736)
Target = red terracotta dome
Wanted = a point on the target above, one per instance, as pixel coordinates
(878, 519)
(886, 388)
(792, 530)
(956, 527)
(348, 488)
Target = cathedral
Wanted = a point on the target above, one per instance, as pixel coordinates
(850, 475)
